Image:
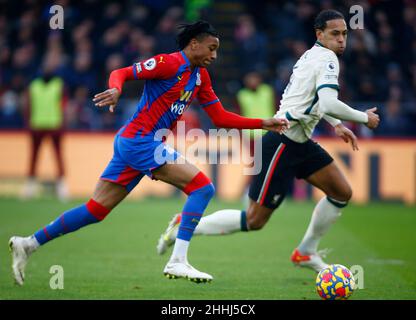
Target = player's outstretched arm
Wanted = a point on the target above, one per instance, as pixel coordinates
(225, 119)
(330, 105)
(158, 67)
(110, 96)
(279, 125)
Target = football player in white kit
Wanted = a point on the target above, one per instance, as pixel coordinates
(311, 94)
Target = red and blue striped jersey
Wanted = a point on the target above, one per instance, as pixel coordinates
(169, 89)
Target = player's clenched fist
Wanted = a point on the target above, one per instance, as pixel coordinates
(279, 125)
(107, 98)
(373, 118)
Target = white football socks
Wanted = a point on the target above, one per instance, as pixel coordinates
(180, 251)
(220, 222)
(324, 215)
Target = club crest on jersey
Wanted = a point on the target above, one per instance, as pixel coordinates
(149, 64)
(198, 79)
(330, 66)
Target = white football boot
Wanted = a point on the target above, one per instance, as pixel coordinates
(21, 249)
(175, 270)
(311, 261)
(167, 239)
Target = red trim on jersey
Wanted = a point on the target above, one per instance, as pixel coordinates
(97, 210)
(225, 119)
(119, 76)
(269, 178)
(199, 181)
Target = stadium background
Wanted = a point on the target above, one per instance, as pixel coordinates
(377, 69)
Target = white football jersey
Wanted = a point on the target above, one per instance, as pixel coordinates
(317, 68)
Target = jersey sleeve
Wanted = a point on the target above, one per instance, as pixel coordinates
(162, 66)
(206, 95)
(225, 119)
(327, 72)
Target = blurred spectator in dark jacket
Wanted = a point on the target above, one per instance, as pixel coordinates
(166, 31)
(251, 45)
(393, 122)
(10, 115)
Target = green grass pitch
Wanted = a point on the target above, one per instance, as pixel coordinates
(116, 259)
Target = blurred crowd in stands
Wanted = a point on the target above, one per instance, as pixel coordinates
(377, 69)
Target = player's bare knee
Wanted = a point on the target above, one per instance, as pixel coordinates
(345, 194)
(341, 193)
(341, 198)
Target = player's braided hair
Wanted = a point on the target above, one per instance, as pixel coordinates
(198, 30)
(326, 15)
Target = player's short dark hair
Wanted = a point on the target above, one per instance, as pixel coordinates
(198, 30)
(326, 15)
